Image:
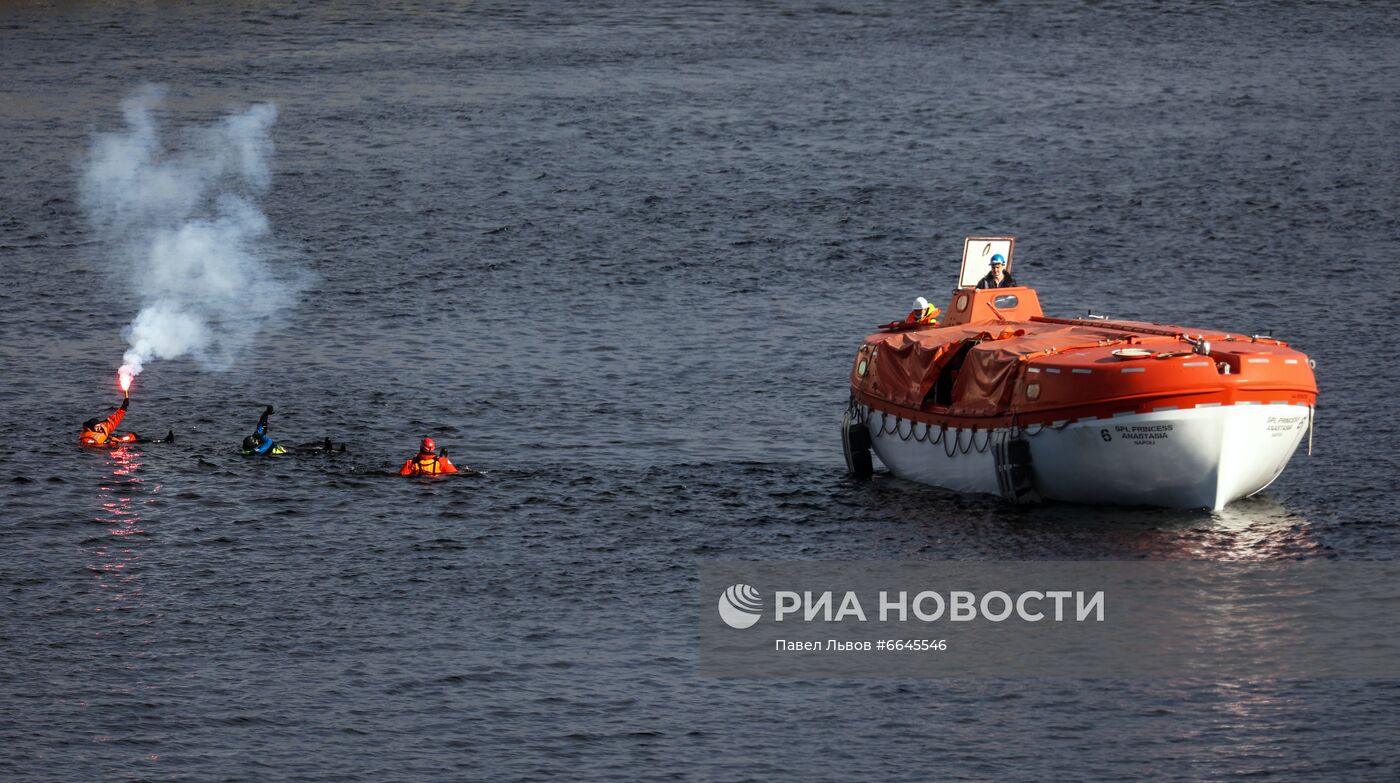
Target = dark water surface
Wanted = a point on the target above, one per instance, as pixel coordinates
(619, 256)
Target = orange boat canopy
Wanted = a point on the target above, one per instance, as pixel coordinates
(986, 365)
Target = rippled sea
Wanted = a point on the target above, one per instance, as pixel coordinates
(618, 256)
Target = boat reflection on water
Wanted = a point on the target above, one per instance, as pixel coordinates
(932, 523)
(117, 557)
(1252, 529)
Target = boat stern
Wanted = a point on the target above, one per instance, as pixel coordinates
(1203, 457)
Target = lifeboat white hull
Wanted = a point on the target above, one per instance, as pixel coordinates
(1202, 457)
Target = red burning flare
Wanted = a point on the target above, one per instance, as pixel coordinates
(124, 379)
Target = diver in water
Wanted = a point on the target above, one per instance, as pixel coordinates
(429, 461)
(260, 444)
(102, 433)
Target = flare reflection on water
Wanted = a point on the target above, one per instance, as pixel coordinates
(120, 497)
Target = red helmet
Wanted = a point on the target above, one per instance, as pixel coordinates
(427, 447)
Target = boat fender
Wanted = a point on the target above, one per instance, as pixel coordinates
(855, 441)
(1310, 429)
(1013, 462)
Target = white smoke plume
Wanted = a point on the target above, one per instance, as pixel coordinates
(187, 225)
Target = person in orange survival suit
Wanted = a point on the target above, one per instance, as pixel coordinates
(102, 433)
(923, 313)
(428, 461)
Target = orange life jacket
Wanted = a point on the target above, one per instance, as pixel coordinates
(105, 434)
(928, 315)
(427, 465)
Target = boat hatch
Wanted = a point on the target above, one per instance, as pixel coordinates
(977, 257)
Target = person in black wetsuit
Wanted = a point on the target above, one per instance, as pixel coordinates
(999, 277)
(260, 444)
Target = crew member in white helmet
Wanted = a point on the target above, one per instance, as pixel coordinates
(923, 314)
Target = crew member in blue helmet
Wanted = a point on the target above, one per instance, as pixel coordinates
(999, 277)
(260, 444)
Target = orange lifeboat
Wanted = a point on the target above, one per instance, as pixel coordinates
(999, 398)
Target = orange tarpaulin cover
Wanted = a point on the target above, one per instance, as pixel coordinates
(908, 363)
(906, 368)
